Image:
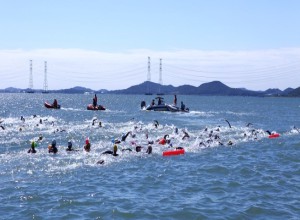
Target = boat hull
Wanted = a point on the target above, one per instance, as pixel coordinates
(165, 107)
(48, 105)
(95, 108)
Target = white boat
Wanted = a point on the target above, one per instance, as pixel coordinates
(163, 107)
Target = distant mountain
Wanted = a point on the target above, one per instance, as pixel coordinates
(287, 91)
(215, 88)
(212, 88)
(12, 90)
(74, 90)
(294, 93)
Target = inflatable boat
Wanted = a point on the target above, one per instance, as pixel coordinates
(95, 108)
(48, 105)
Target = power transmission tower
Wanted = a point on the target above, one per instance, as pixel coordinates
(149, 73)
(45, 79)
(30, 76)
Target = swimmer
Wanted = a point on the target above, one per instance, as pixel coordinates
(138, 148)
(93, 123)
(40, 138)
(150, 142)
(100, 124)
(248, 125)
(100, 162)
(228, 123)
(127, 149)
(87, 146)
(149, 149)
(186, 135)
(124, 136)
(1, 126)
(156, 124)
(230, 143)
(32, 148)
(202, 144)
(22, 119)
(69, 146)
(114, 152)
(41, 121)
(52, 148)
(164, 140)
(176, 130)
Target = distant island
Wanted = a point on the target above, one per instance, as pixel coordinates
(215, 88)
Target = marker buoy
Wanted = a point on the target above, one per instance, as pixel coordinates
(173, 152)
(276, 135)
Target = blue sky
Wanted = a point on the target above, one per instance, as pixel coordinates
(105, 44)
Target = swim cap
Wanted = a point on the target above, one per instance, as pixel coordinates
(87, 141)
(32, 144)
(115, 147)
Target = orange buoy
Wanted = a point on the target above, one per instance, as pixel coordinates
(276, 135)
(173, 152)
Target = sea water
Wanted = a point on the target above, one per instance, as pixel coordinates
(255, 177)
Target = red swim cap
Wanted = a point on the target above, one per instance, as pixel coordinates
(87, 141)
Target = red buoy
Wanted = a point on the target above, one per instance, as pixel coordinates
(173, 152)
(276, 135)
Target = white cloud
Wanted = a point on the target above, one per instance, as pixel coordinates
(257, 70)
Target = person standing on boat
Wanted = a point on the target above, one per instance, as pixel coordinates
(153, 102)
(95, 99)
(175, 100)
(159, 101)
(55, 103)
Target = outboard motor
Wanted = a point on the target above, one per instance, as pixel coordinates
(143, 104)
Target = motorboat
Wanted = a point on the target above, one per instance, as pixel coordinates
(166, 107)
(161, 106)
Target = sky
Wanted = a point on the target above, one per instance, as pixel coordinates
(101, 44)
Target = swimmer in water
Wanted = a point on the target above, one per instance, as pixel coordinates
(87, 146)
(70, 146)
(22, 119)
(94, 120)
(124, 136)
(186, 135)
(228, 123)
(149, 149)
(114, 152)
(138, 148)
(32, 148)
(156, 124)
(52, 148)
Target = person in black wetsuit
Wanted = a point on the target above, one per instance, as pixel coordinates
(70, 146)
(95, 100)
(149, 149)
(114, 152)
(52, 148)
